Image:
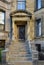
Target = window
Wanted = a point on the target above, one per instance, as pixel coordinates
(38, 27)
(40, 49)
(2, 20)
(38, 4)
(21, 4)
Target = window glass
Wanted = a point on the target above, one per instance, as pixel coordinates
(21, 5)
(21, 0)
(38, 27)
(1, 18)
(42, 47)
(39, 4)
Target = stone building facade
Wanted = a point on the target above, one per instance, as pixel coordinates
(22, 31)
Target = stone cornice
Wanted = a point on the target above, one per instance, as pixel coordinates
(6, 2)
(21, 11)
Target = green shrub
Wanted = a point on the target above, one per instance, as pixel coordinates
(1, 54)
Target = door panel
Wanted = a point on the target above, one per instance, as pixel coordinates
(21, 32)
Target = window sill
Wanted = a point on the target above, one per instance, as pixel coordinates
(38, 9)
(37, 37)
(21, 9)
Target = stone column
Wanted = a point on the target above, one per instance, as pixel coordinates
(15, 31)
(12, 29)
(7, 21)
(28, 35)
(42, 25)
(27, 30)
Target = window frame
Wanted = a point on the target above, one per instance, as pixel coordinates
(17, 5)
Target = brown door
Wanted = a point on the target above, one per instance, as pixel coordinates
(2, 43)
(21, 32)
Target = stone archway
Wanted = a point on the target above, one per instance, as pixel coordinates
(19, 18)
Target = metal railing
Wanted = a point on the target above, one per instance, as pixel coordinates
(34, 51)
(35, 55)
(4, 56)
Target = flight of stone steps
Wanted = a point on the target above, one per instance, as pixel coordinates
(19, 52)
(38, 62)
(41, 62)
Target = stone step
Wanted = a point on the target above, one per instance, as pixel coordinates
(21, 55)
(21, 63)
(20, 59)
(20, 50)
(38, 62)
(15, 44)
(41, 62)
(20, 45)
